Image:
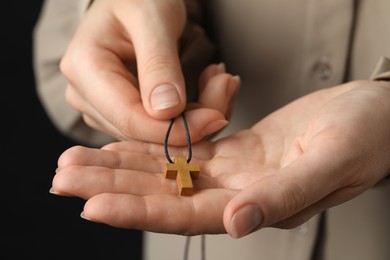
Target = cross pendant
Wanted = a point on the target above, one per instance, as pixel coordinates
(184, 173)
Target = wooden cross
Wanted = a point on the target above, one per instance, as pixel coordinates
(184, 173)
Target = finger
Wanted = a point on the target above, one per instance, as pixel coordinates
(220, 92)
(85, 172)
(159, 71)
(202, 150)
(195, 118)
(88, 181)
(201, 122)
(217, 89)
(113, 88)
(193, 215)
(209, 72)
(279, 196)
(90, 115)
(83, 156)
(129, 159)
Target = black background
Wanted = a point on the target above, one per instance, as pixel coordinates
(34, 223)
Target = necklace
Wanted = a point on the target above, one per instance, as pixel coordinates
(181, 168)
(184, 171)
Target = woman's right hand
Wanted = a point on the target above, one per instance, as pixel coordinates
(124, 74)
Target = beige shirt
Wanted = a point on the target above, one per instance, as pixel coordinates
(281, 50)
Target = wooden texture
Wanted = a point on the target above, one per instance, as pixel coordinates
(184, 173)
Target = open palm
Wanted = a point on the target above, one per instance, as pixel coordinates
(317, 152)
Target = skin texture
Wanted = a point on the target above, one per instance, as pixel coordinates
(316, 152)
(113, 67)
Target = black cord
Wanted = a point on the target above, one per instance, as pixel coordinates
(187, 131)
(187, 248)
(202, 247)
(187, 136)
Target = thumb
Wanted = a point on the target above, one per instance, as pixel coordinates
(262, 204)
(160, 76)
(285, 193)
(161, 81)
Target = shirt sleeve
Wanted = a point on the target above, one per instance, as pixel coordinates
(52, 33)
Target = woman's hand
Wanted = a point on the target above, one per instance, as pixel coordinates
(125, 75)
(317, 152)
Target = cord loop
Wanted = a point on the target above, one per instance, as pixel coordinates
(187, 131)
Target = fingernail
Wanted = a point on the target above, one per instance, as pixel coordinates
(82, 215)
(164, 96)
(245, 221)
(237, 79)
(52, 191)
(221, 67)
(231, 91)
(213, 127)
